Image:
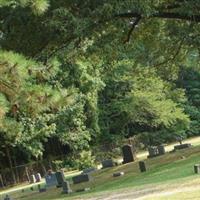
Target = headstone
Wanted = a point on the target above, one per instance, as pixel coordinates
(107, 163)
(128, 154)
(142, 166)
(66, 187)
(7, 197)
(153, 152)
(60, 178)
(41, 189)
(161, 150)
(182, 146)
(51, 179)
(116, 174)
(89, 170)
(83, 190)
(32, 179)
(38, 177)
(81, 178)
(197, 169)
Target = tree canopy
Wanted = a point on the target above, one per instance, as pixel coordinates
(88, 72)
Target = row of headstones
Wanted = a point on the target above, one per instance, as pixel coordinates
(57, 179)
(160, 150)
(35, 178)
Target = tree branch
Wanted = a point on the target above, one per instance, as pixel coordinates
(137, 20)
(164, 15)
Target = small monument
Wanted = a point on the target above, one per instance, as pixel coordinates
(32, 179)
(60, 178)
(107, 163)
(38, 177)
(128, 154)
(116, 174)
(51, 179)
(81, 178)
(197, 169)
(66, 187)
(142, 166)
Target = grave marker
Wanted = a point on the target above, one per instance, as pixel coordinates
(51, 179)
(107, 163)
(81, 178)
(60, 178)
(197, 169)
(128, 154)
(32, 179)
(142, 166)
(66, 187)
(116, 174)
(38, 177)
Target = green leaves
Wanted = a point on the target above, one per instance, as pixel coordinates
(37, 6)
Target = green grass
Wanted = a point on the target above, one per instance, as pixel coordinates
(170, 168)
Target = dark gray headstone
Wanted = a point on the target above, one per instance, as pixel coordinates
(107, 163)
(116, 174)
(66, 187)
(128, 154)
(89, 170)
(60, 178)
(153, 152)
(38, 177)
(197, 169)
(51, 180)
(81, 178)
(142, 166)
(161, 150)
(182, 146)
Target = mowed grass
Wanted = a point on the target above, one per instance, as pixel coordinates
(172, 169)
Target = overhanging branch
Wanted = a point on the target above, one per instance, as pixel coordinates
(164, 15)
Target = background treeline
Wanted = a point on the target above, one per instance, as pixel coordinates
(78, 75)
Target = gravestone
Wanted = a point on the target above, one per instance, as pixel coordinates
(197, 169)
(66, 187)
(83, 190)
(142, 166)
(38, 177)
(51, 179)
(161, 150)
(128, 154)
(116, 174)
(182, 146)
(107, 163)
(89, 170)
(81, 178)
(153, 152)
(32, 179)
(60, 178)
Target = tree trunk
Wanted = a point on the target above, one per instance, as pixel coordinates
(10, 164)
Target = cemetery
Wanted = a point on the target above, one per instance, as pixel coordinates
(141, 171)
(99, 99)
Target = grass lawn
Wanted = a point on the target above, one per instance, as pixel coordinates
(169, 171)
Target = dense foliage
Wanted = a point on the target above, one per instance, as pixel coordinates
(85, 73)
